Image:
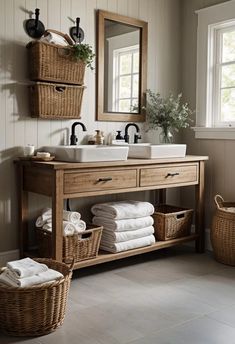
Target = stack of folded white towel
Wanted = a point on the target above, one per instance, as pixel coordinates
(27, 272)
(72, 223)
(126, 225)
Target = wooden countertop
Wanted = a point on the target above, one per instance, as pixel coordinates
(61, 165)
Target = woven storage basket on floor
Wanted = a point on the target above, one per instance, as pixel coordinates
(51, 62)
(172, 222)
(78, 246)
(35, 310)
(223, 232)
(55, 101)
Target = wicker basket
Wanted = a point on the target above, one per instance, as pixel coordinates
(223, 232)
(78, 246)
(51, 62)
(35, 310)
(172, 222)
(55, 101)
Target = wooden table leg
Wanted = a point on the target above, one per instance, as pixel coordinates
(162, 196)
(22, 213)
(57, 213)
(199, 206)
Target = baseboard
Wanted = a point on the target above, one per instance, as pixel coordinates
(7, 256)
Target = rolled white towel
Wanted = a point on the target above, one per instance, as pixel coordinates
(115, 237)
(47, 276)
(42, 219)
(123, 225)
(127, 245)
(68, 228)
(54, 38)
(123, 210)
(26, 267)
(80, 226)
(71, 216)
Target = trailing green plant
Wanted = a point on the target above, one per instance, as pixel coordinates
(167, 113)
(84, 53)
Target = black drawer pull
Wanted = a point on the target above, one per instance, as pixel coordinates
(172, 174)
(105, 179)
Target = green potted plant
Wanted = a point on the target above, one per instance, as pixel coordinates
(169, 113)
(84, 53)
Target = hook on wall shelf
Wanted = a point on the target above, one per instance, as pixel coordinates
(76, 32)
(34, 27)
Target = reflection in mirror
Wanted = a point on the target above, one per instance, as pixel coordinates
(121, 73)
(121, 67)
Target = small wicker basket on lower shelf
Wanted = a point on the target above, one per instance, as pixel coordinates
(55, 101)
(35, 310)
(78, 246)
(172, 222)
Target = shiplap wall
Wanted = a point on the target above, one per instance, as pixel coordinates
(18, 129)
(220, 177)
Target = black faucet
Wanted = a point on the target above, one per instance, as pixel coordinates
(136, 136)
(73, 137)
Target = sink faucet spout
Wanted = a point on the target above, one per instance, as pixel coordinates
(73, 137)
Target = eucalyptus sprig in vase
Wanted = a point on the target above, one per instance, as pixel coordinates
(169, 113)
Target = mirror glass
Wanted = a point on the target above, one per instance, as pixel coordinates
(121, 64)
(121, 72)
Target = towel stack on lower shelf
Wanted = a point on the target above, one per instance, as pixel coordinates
(27, 272)
(72, 223)
(126, 225)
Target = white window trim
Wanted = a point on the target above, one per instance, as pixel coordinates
(116, 74)
(208, 18)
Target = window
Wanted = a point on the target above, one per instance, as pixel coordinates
(216, 72)
(223, 100)
(126, 79)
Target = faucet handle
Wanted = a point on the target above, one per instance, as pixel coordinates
(136, 138)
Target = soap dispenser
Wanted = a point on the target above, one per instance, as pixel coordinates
(98, 138)
(119, 136)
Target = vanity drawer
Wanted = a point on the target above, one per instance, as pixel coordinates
(98, 181)
(173, 174)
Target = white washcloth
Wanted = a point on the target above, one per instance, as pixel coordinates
(115, 237)
(71, 216)
(68, 227)
(47, 276)
(123, 225)
(128, 245)
(26, 267)
(54, 38)
(123, 210)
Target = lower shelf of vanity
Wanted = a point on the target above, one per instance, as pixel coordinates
(104, 256)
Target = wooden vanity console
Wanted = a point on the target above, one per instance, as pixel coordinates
(61, 180)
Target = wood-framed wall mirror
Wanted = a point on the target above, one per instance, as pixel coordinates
(121, 68)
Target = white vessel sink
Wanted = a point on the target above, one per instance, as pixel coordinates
(88, 153)
(148, 151)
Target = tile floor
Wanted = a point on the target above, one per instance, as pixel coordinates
(173, 296)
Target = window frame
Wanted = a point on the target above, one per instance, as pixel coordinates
(117, 53)
(210, 19)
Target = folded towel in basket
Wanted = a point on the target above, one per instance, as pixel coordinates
(123, 225)
(26, 267)
(127, 245)
(123, 209)
(68, 227)
(71, 216)
(47, 276)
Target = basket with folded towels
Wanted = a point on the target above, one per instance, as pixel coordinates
(126, 225)
(80, 241)
(33, 296)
